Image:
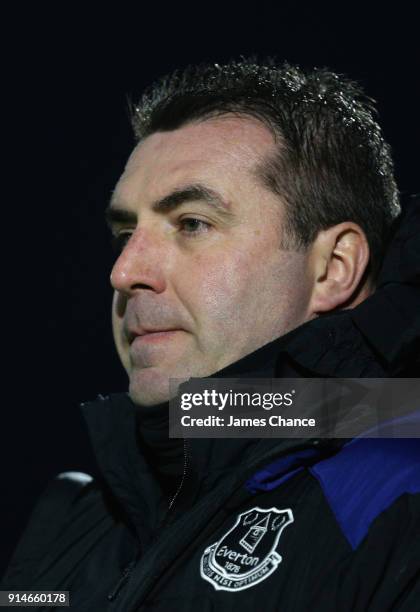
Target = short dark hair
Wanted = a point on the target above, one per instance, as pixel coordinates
(331, 163)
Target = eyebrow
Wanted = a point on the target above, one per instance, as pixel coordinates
(191, 193)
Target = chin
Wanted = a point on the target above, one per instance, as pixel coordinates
(149, 386)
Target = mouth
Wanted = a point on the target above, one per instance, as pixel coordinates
(157, 335)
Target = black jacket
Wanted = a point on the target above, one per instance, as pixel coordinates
(329, 525)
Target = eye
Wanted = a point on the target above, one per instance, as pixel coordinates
(192, 226)
(119, 241)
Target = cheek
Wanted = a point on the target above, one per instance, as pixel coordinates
(264, 288)
(220, 285)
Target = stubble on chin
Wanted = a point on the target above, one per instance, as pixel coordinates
(151, 386)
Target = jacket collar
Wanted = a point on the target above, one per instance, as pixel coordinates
(112, 425)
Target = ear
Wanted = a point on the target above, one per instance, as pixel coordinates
(338, 259)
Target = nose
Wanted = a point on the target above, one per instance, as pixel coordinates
(140, 265)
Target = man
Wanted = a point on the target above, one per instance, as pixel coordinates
(251, 223)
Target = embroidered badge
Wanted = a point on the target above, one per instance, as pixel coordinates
(247, 553)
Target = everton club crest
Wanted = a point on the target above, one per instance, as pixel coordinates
(247, 553)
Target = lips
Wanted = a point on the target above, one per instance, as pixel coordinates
(152, 332)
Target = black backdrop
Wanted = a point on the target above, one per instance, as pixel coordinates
(71, 71)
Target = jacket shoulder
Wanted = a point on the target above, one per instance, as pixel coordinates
(45, 522)
(366, 478)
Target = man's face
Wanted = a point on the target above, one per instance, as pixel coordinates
(200, 256)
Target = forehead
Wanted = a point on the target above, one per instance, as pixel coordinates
(222, 151)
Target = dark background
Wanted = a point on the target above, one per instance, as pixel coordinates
(71, 72)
